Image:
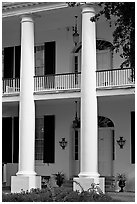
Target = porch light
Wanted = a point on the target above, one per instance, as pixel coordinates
(75, 34)
(121, 142)
(63, 143)
(76, 122)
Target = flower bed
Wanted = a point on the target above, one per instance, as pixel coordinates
(58, 194)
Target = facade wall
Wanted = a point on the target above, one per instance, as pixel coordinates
(118, 109)
(64, 112)
(57, 27)
(64, 115)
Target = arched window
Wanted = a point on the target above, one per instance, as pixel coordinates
(104, 122)
(104, 50)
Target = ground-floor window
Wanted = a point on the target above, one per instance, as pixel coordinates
(10, 139)
(45, 139)
(39, 138)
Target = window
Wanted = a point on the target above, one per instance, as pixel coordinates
(10, 139)
(39, 60)
(11, 60)
(133, 137)
(45, 58)
(45, 139)
(39, 138)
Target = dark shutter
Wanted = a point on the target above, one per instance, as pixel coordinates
(132, 137)
(113, 144)
(8, 62)
(49, 58)
(7, 140)
(16, 140)
(76, 145)
(17, 61)
(49, 139)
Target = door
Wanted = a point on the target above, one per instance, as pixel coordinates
(105, 152)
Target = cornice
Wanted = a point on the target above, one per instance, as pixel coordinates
(17, 9)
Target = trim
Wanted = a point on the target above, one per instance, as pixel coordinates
(22, 11)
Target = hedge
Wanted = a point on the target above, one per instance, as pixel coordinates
(58, 194)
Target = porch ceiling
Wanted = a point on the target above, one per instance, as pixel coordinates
(56, 101)
(117, 98)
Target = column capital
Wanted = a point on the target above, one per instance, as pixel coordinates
(89, 8)
(26, 18)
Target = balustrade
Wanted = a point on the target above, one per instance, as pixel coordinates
(57, 82)
(115, 77)
(11, 85)
(72, 81)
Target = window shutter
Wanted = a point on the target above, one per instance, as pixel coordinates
(133, 137)
(16, 140)
(49, 58)
(49, 139)
(8, 62)
(17, 61)
(7, 140)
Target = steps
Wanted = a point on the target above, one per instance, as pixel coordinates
(110, 183)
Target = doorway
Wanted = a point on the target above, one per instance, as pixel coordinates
(105, 152)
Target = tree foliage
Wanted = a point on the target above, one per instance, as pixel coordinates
(124, 32)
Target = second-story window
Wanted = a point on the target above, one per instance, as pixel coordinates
(45, 58)
(39, 60)
(11, 62)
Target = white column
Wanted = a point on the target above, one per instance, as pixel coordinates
(26, 175)
(89, 126)
(27, 106)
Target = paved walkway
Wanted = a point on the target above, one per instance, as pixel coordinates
(123, 196)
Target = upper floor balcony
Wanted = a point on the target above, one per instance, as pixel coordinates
(116, 78)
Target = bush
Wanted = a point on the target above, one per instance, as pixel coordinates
(57, 194)
(33, 196)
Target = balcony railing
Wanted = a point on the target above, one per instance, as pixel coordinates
(72, 81)
(57, 82)
(115, 77)
(11, 86)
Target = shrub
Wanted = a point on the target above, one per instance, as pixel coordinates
(33, 196)
(57, 194)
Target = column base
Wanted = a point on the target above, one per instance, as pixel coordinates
(24, 183)
(85, 183)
